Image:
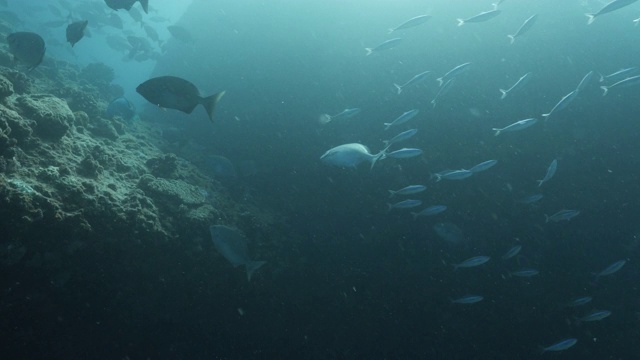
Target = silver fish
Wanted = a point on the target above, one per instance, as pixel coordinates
(524, 273)
(350, 155)
(551, 170)
(343, 115)
(430, 211)
(402, 118)
(453, 73)
(620, 74)
(562, 215)
(232, 244)
(485, 165)
(634, 80)
(579, 301)
(531, 199)
(405, 204)
(472, 262)
(595, 315)
(483, 16)
(611, 269)
(518, 125)
(404, 153)
(560, 346)
(566, 100)
(443, 90)
(613, 5)
(526, 26)
(414, 21)
(414, 80)
(407, 190)
(469, 299)
(453, 174)
(515, 250)
(405, 135)
(585, 81)
(389, 44)
(524, 79)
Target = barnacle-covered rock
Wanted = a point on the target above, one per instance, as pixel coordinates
(21, 83)
(85, 98)
(16, 126)
(164, 166)
(175, 192)
(6, 87)
(51, 114)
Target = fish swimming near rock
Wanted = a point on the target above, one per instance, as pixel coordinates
(75, 31)
(27, 47)
(176, 93)
(232, 244)
(121, 107)
(127, 4)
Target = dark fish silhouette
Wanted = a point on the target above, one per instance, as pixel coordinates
(176, 93)
(127, 4)
(27, 47)
(75, 31)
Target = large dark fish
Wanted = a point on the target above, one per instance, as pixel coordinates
(175, 93)
(27, 47)
(127, 4)
(75, 31)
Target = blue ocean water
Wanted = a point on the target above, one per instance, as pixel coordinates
(345, 278)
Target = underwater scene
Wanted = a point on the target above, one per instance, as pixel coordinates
(305, 179)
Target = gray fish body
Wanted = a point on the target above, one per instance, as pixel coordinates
(561, 345)
(453, 175)
(516, 126)
(176, 93)
(232, 244)
(612, 269)
(515, 250)
(404, 153)
(430, 211)
(414, 21)
(453, 73)
(483, 16)
(75, 31)
(612, 6)
(620, 75)
(524, 79)
(563, 103)
(551, 170)
(631, 81)
(469, 299)
(485, 165)
(405, 135)
(408, 115)
(405, 204)
(389, 44)
(27, 47)
(350, 155)
(472, 262)
(526, 26)
(414, 80)
(562, 215)
(407, 190)
(585, 81)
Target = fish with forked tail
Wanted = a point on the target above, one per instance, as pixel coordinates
(176, 93)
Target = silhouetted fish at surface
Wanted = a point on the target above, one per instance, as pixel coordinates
(176, 93)
(127, 4)
(27, 47)
(232, 244)
(75, 31)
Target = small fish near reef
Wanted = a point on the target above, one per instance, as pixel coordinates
(27, 47)
(232, 244)
(176, 93)
(75, 31)
(121, 107)
(127, 4)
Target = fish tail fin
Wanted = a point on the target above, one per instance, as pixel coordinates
(389, 207)
(369, 51)
(433, 103)
(601, 77)
(415, 215)
(398, 87)
(440, 81)
(504, 94)
(540, 182)
(591, 18)
(379, 156)
(546, 116)
(512, 38)
(210, 102)
(546, 218)
(636, 22)
(460, 22)
(145, 5)
(391, 193)
(605, 90)
(253, 266)
(497, 131)
(391, 30)
(387, 125)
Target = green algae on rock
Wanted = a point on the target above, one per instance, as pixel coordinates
(51, 114)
